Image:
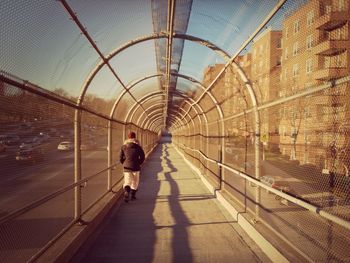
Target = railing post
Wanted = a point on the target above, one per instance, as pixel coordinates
(220, 168)
(257, 173)
(109, 143)
(77, 165)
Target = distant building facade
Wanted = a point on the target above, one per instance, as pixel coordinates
(312, 48)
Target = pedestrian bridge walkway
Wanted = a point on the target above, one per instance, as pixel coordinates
(175, 219)
(254, 94)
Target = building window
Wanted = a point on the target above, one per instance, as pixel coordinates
(338, 34)
(340, 60)
(286, 53)
(295, 70)
(309, 66)
(308, 85)
(287, 32)
(295, 48)
(307, 111)
(309, 42)
(310, 18)
(284, 131)
(296, 26)
(261, 49)
(294, 88)
(341, 5)
(285, 74)
(260, 65)
(327, 62)
(278, 61)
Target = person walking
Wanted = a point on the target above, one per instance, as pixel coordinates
(131, 157)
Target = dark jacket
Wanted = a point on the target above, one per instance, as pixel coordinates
(131, 155)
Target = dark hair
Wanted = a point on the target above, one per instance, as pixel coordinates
(132, 135)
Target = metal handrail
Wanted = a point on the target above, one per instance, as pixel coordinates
(76, 220)
(66, 228)
(48, 197)
(302, 93)
(295, 200)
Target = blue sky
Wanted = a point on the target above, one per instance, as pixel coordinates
(40, 43)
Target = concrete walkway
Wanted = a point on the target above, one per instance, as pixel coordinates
(175, 219)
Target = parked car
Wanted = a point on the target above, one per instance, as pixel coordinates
(65, 146)
(30, 156)
(44, 137)
(30, 143)
(10, 139)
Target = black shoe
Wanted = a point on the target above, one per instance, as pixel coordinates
(126, 197)
(133, 194)
(126, 193)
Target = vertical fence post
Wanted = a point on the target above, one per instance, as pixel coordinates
(110, 141)
(220, 168)
(257, 165)
(77, 165)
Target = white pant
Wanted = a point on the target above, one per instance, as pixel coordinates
(131, 179)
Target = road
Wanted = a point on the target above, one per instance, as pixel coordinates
(307, 231)
(21, 184)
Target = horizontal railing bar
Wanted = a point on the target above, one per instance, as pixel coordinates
(34, 89)
(307, 92)
(46, 198)
(295, 200)
(66, 228)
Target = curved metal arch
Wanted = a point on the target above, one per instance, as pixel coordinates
(134, 83)
(149, 109)
(175, 122)
(132, 110)
(221, 114)
(159, 116)
(154, 125)
(173, 110)
(191, 119)
(177, 93)
(128, 88)
(173, 119)
(159, 122)
(148, 119)
(162, 103)
(146, 38)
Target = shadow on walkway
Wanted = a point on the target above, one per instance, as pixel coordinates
(175, 219)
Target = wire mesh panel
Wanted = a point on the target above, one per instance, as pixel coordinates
(32, 129)
(26, 234)
(40, 43)
(278, 114)
(94, 144)
(117, 142)
(287, 125)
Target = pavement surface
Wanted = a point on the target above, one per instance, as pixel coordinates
(174, 219)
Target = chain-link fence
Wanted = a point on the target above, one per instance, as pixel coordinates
(275, 115)
(287, 126)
